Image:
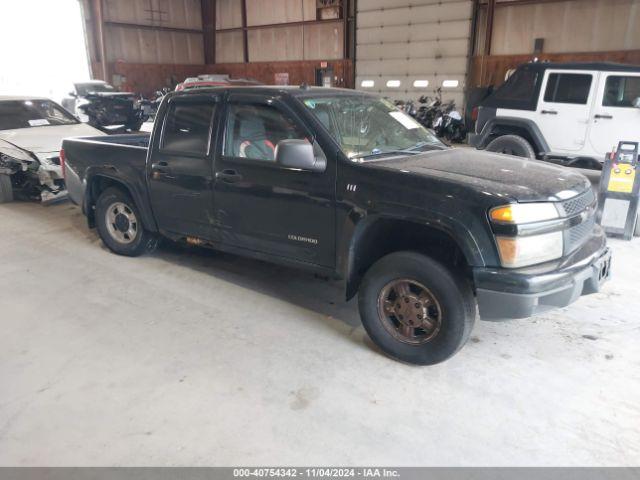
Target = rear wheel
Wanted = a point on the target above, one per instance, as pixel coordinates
(119, 224)
(512, 145)
(416, 309)
(6, 189)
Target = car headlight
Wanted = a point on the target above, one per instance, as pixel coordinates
(516, 252)
(518, 213)
(521, 251)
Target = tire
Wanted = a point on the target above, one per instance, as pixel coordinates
(135, 126)
(636, 232)
(512, 145)
(119, 224)
(452, 308)
(6, 189)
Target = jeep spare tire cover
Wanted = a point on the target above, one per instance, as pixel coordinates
(512, 145)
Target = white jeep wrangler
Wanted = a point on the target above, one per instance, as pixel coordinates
(573, 114)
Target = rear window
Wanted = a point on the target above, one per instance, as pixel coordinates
(33, 113)
(568, 88)
(187, 127)
(621, 91)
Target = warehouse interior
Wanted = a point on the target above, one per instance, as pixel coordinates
(197, 354)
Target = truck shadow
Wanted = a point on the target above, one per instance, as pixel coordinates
(303, 289)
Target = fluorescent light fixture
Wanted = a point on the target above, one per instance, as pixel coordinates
(421, 83)
(393, 83)
(450, 83)
(367, 83)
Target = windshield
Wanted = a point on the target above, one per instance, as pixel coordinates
(367, 126)
(33, 113)
(83, 89)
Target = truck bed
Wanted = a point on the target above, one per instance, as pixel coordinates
(121, 157)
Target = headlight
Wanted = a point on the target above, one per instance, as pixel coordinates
(516, 252)
(518, 213)
(521, 251)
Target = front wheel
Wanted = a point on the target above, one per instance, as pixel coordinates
(119, 224)
(416, 309)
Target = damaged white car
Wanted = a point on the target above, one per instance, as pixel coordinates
(31, 134)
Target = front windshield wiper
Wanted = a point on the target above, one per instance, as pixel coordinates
(364, 156)
(417, 146)
(415, 150)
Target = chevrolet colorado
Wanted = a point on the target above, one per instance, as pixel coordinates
(345, 185)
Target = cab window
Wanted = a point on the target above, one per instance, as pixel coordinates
(253, 131)
(568, 88)
(187, 127)
(621, 91)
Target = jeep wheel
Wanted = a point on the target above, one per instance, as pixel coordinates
(6, 189)
(416, 309)
(134, 126)
(119, 225)
(512, 145)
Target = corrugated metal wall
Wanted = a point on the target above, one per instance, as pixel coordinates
(569, 26)
(139, 45)
(413, 41)
(275, 40)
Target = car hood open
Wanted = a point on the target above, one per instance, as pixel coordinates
(503, 175)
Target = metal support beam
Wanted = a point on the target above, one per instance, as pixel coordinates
(157, 28)
(345, 28)
(491, 13)
(97, 18)
(209, 30)
(245, 33)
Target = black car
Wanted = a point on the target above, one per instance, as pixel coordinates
(343, 184)
(101, 105)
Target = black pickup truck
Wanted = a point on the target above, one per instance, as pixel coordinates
(343, 184)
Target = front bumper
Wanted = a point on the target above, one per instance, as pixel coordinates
(504, 294)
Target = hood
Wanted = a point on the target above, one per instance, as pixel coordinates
(495, 174)
(46, 140)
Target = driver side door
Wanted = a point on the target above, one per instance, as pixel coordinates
(265, 207)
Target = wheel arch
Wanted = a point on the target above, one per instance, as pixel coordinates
(374, 238)
(523, 127)
(98, 183)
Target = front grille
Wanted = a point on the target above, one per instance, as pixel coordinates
(577, 235)
(578, 204)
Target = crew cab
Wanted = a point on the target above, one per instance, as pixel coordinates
(345, 185)
(573, 113)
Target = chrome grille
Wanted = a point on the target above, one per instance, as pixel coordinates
(578, 204)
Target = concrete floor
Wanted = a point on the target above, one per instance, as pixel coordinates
(188, 357)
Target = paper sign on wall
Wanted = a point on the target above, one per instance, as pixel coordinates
(282, 78)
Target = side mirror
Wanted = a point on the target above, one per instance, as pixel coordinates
(636, 103)
(301, 155)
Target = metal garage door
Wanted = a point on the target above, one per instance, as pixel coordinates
(412, 47)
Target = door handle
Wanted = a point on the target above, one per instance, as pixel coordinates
(228, 176)
(604, 117)
(549, 112)
(161, 168)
